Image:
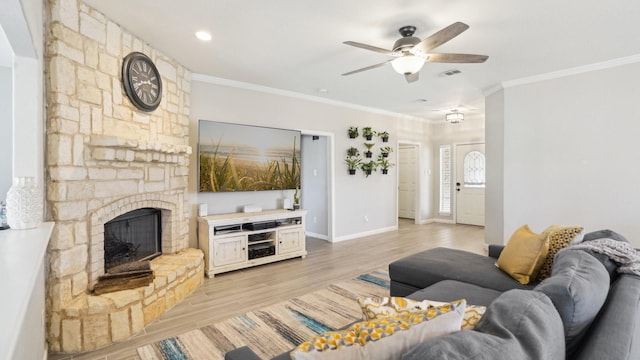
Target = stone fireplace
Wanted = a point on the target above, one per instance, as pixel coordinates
(105, 159)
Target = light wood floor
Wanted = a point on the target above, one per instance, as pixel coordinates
(237, 292)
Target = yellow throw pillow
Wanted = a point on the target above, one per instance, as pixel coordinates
(385, 338)
(559, 238)
(524, 254)
(380, 307)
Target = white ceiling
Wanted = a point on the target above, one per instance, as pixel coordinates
(296, 45)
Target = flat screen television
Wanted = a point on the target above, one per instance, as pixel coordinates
(236, 157)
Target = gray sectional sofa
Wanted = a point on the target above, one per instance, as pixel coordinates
(585, 310)
(597, 308)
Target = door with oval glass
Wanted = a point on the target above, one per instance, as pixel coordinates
(470, 184)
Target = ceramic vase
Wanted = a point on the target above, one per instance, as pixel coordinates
(24, 204)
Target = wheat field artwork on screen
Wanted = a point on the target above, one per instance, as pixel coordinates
(277, 328)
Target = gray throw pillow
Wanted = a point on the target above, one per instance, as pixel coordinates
(578, 287)
(519, 324)
(612, 266)
(604, 234)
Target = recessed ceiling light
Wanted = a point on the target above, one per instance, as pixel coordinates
(322, 90)
(203, 35)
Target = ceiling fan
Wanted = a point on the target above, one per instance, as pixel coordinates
(411, 53)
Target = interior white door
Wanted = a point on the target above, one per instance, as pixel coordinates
(470, 184)
(407, 164)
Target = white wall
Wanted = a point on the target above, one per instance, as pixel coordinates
(6, 125)
(355, 196)
(570, 154)
(494, 150)
(22, 22)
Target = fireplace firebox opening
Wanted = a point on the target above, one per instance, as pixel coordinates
(134, 236)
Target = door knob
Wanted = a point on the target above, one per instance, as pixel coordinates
(457, 186)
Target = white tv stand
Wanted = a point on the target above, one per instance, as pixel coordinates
(240, 240)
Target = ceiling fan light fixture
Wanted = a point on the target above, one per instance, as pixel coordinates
(407, 64)
(454, 117)
(203, 35)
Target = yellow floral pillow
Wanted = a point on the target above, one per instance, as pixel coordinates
(381, 307)
(559, 237)
(384, 338)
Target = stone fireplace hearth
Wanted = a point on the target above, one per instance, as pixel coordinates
(106, 158)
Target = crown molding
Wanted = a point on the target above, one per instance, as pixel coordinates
(269, 90)
(572, 71)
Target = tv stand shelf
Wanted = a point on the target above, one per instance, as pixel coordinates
(240, 240)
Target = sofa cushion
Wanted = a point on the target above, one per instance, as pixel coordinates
(386, 338)
(420, 270)
(578, 288)
(523, 255)
(533, 331)
(449, 290)
(559, 238)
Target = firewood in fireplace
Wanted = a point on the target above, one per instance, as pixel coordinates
(131, 266)
(123, 281)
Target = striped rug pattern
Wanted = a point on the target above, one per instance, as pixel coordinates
(277, 328)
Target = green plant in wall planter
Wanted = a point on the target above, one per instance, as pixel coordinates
(384, 164)
(368, 153)
(352, 164)
(385, 151)
(353, 160)
(367, 132)
(353, 132)
(368, 167)
(384, 136)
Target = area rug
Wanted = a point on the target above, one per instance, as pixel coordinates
(277, 328)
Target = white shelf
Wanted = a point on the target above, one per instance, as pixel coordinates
(230, 249)
(22, 254)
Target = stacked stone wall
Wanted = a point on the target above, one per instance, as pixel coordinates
(104, 156)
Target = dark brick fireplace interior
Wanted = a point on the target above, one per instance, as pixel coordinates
(133, 236)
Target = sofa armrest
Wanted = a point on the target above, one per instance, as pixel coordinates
(615, 333)
(495, 250)
(241, 353)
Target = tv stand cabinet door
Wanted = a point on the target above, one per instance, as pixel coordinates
(229, 250)
(290, 240)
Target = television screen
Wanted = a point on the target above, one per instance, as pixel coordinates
(235, 157)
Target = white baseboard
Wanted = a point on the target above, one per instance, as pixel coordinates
(426, 221)
(444, 221)
(366, 233)
(317, 236)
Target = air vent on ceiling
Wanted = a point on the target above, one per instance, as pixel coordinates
(450, 72)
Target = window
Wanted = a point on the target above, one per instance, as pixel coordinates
(474, 169)
(445, 179)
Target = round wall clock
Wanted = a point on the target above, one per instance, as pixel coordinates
(142, 82)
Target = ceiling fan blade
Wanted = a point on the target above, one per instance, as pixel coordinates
(457, 58)
(367, 68)
(439, 38)
(369, 47)
(411, 77)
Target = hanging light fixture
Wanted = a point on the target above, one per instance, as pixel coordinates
(454, 117)
(407, 64)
